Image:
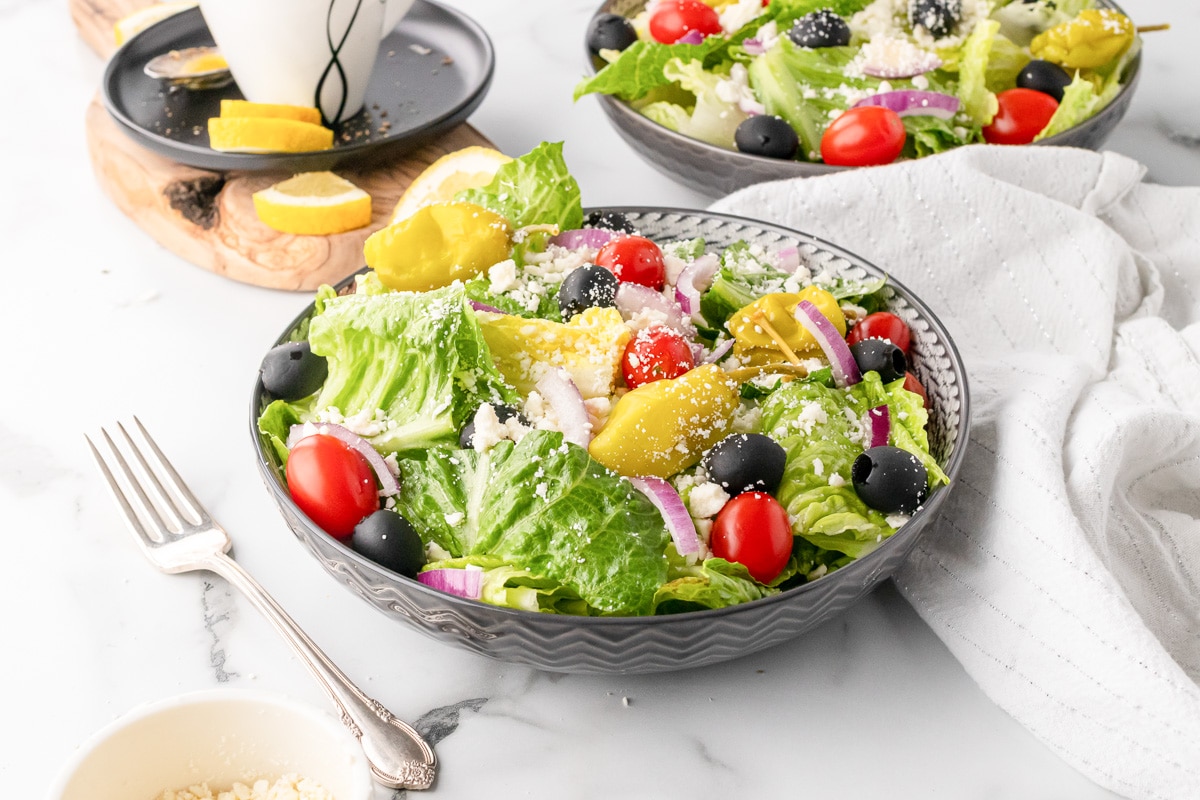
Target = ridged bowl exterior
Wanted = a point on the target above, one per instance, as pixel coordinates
(715, 171)
(681, 641)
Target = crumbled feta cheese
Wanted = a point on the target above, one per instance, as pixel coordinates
(706, 500)
(455, 518)
(503, 276)
(836, 480)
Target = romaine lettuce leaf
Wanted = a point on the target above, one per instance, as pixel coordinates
(420, 358)
(709, 118)
(533, 189)
(977, 102)
(543, 506)
(714, 583)
(513, 587)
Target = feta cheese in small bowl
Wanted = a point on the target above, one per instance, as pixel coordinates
(207, 743)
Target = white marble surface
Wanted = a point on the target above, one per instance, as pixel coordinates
(104, 323)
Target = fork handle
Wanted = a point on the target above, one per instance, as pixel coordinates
(398, 756)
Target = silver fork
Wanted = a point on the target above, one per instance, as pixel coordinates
(178, 535)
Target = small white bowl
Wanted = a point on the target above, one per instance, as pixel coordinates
(218, 736)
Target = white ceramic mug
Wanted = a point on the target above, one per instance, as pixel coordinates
(303, 52)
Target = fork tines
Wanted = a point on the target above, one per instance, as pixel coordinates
(173, 507)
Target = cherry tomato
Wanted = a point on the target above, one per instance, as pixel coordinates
(753, 530)
(331, 483)
(911, 384)
(1022, 115)
(674, 19)
(863, 137)
(881, 325)
(653, 354)
(634, 259)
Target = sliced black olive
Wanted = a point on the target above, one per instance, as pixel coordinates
(1045, 77)
(881, 356)
(390, 541)
(889, 479)
(822, 28)
(292, 371)
(764, 135)
(746, 462)
(610, 32)
(609, 221)
(466, 437)
(589, 286)
(936, 16)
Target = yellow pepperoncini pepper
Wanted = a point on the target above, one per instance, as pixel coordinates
(757, 344)
(1094, 38)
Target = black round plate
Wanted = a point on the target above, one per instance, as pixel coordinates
(433, 70)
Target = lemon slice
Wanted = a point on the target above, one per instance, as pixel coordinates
(244, 108)
(313, 203)
(266, 135)
(129, 26)
(468, 168)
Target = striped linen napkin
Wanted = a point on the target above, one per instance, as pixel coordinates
(1064, 572)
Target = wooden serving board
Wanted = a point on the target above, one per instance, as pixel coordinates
(208, 218)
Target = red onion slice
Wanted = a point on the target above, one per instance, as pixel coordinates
(754, 47)
(910, 102)
(633, 298)
(691, 37)
(387, 481)
(719, 352)
(696, 278)
(841, 360)
(475, 304)
(557, 389)
(583, 237)
(675, 514)
(880, 420)
(788, 260)
(466, 583)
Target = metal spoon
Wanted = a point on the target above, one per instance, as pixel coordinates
(190, 68)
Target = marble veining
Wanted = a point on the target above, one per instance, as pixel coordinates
(102, 322)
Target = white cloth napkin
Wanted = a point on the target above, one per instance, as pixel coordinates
(1064, 572)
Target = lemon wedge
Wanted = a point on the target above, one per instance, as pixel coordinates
(266, 135)
(437, 245)
(313, 203)
(468, 168)
(244, 108)
(129, 26)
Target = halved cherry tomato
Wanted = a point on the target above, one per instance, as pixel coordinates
(753, 530)
(634, 259)
(674, 19)
(911, 384)
(863, 137)
(1022, 116)
(653, 354)
(331, 483)
(882, 325)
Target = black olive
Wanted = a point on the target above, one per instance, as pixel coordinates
(610, 32)
(936, 16)
(764, 135)
(589, 286)
(1045, 77)
(292, 371)
(390, 541)
(889, 479)
(466, 437)
(881, 356)
(746, 462)
(610, 221)
(822, 28)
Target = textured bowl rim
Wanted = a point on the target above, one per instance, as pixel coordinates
(144, 710)
(863, 564)
(617, 107)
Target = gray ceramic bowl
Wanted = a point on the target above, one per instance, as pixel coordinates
(663, 643)
(715, 171)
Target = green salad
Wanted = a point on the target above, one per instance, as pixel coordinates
(565, 416)
(856, 83)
